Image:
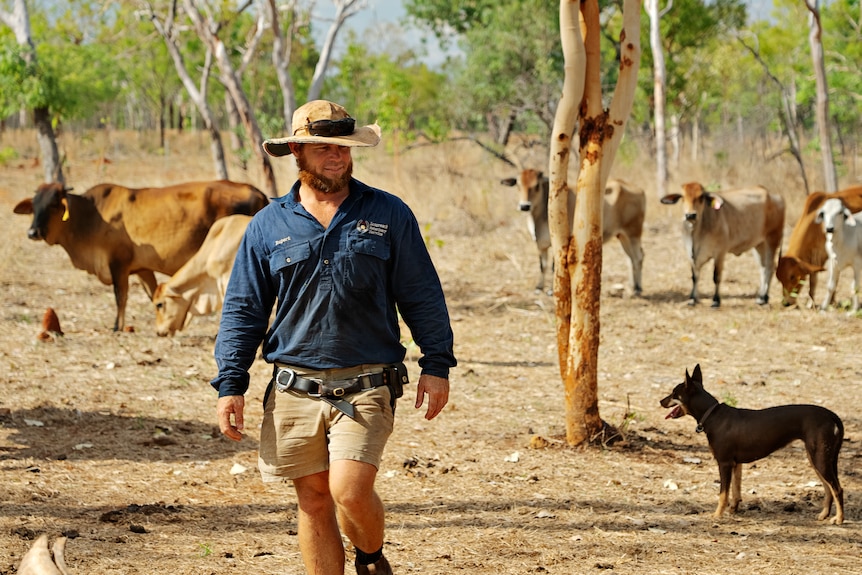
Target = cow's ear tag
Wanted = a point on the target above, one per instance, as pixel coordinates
(716, 202)
(66, 211)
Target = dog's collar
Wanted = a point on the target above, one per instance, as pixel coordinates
(709, 411)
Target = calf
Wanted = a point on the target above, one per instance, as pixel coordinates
(734, 221)
(843, 244)
(622, 217)
(198, 287)
(806, 247)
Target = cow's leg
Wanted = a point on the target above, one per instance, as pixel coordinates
(716, 279)
(148, 279)
(120, 281)
(812, 288)
(633, 249)
(543, 266)
(692, 297)
(857, 271)
(765, 259)
(831, 282)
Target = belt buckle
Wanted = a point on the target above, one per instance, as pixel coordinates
(279, 385)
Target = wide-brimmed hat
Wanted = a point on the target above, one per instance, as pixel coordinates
(322, 122)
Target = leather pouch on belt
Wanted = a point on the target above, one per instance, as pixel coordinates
(398, 379)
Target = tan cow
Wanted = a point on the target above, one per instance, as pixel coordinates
(806, 248)
(623, 215)
(198, 287)
(112, 231)
(39, 560)
(734, 221)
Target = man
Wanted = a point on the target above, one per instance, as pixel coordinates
(339, 260)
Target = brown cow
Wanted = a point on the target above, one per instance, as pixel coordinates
(198, 287)
(734, 221)
(806, 249)
(622, 217)
(112, 231)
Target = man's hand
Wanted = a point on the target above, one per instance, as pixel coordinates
(227, 406)
(437, 389)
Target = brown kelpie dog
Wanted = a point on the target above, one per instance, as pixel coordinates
(738, 436)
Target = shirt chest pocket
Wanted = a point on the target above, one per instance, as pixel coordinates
(367, 261)
(285, 259)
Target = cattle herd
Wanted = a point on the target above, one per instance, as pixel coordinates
(717, 223)
(191, 232)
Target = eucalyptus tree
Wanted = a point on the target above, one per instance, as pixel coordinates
(815, 41)
(582, 120)
(165, 22)
(512, 60)
(27, 84)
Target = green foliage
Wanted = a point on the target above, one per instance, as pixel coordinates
(24, 84)
(7, 154)
(513, 65)
(399, 93)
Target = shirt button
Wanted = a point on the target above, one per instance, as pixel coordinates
(326, 262)
(287, 260)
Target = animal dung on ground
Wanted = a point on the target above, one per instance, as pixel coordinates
(50, 326)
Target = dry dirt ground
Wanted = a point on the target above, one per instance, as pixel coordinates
(110, 438)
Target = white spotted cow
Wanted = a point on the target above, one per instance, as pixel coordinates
(843, 244)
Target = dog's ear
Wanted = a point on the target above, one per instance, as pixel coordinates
(696, 375)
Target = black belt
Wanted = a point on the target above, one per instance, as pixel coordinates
(333, 392)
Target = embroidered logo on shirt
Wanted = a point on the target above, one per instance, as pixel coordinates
(282, 240)
(372, 228)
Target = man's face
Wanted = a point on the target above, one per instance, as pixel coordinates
(324, 167)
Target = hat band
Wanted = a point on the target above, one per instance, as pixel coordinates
(329, 128)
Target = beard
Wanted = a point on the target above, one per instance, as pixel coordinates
(320, 182)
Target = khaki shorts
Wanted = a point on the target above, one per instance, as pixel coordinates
(300, 435)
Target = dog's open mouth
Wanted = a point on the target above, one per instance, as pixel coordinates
(675, 413)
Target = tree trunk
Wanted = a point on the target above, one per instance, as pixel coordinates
(228, 77)
(51, 165)
(199, 97)
(578, 248)
(281, 50)
(344, 9)
(822, 111)
(786, 112)
(19, 22)
(659, 97)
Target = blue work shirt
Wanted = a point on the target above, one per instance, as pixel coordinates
(339, 290)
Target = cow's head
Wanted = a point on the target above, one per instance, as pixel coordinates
(50, 208)
(529, 184)
(172, 311)
(694, 201)
(829, 212)
(793, 273)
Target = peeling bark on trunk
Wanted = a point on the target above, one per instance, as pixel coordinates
(577, 244)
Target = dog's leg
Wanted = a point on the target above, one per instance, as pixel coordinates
(725, 473)
(827, 471)
(736, 488)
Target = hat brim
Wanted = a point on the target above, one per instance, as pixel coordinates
(364, 137)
